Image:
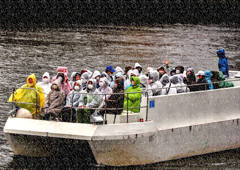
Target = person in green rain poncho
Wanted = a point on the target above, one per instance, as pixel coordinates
(133, 99)
(29, 95)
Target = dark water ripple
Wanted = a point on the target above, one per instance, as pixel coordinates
(95, 47)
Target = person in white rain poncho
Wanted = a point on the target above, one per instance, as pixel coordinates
(165, 81)
(143, 83)
(96, 75)
(154, 86)
(175, 80)
(91, 98)
(105, 89)
(175, 85)
(74, 77)
(183, 87)
(84, 79)
(45, 84)
(72, 100)
(139, 68)
(119, 69)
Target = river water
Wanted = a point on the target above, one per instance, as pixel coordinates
(95, 47)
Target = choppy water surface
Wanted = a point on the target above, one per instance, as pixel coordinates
(95, 47)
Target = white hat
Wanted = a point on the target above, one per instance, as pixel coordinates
(201, 73)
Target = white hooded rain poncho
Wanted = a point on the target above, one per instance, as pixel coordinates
(104, 88)
(136, 66)
(154, 88)
(165, 81)
(45, 84)
(84, 79)
(89, 98)
(74, 96)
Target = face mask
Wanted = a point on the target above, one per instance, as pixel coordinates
(90, 86)
(77, 88)
(46, 81)
(177, 71)
(101, 84)
(60, 78)
(55, 87)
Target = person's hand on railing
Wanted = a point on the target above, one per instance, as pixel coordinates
(80, 106)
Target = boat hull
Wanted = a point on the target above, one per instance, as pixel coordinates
(145, 146)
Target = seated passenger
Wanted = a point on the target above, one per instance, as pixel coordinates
(116, 100)
(55, 101)
(127, 68)
(119, 74)
(109, 72)
(128, 82)
(65, 85)
(96, 75)
(133, 99)
(215, 79)
(45, 84)
(119, 69)
(154, 86)
(201, 79)
(175, 85)
(90, 99)
(179, 69)
(72, 100)
(74, 77)
(166, 85)
(183, 87)
(84, 79)
(223, 63)
(139, 68)
(173, 72)
(224, 84)
(29, 95)
(63, 72)
(143, 81)
(190, 80)
(208, 75)
(105, 89)
(161, 71)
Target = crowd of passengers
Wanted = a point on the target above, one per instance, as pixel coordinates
(62, 98)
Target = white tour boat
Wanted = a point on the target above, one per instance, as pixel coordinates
(173, 127)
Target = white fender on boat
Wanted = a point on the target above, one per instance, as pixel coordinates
(24, 113)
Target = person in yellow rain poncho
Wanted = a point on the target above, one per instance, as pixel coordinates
(29, 95)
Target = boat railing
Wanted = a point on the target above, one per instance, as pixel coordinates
(105, 108)
(143, 93)
(14, 103)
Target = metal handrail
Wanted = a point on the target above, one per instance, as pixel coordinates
(82, 108)
(143, 92)
(36, 104)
